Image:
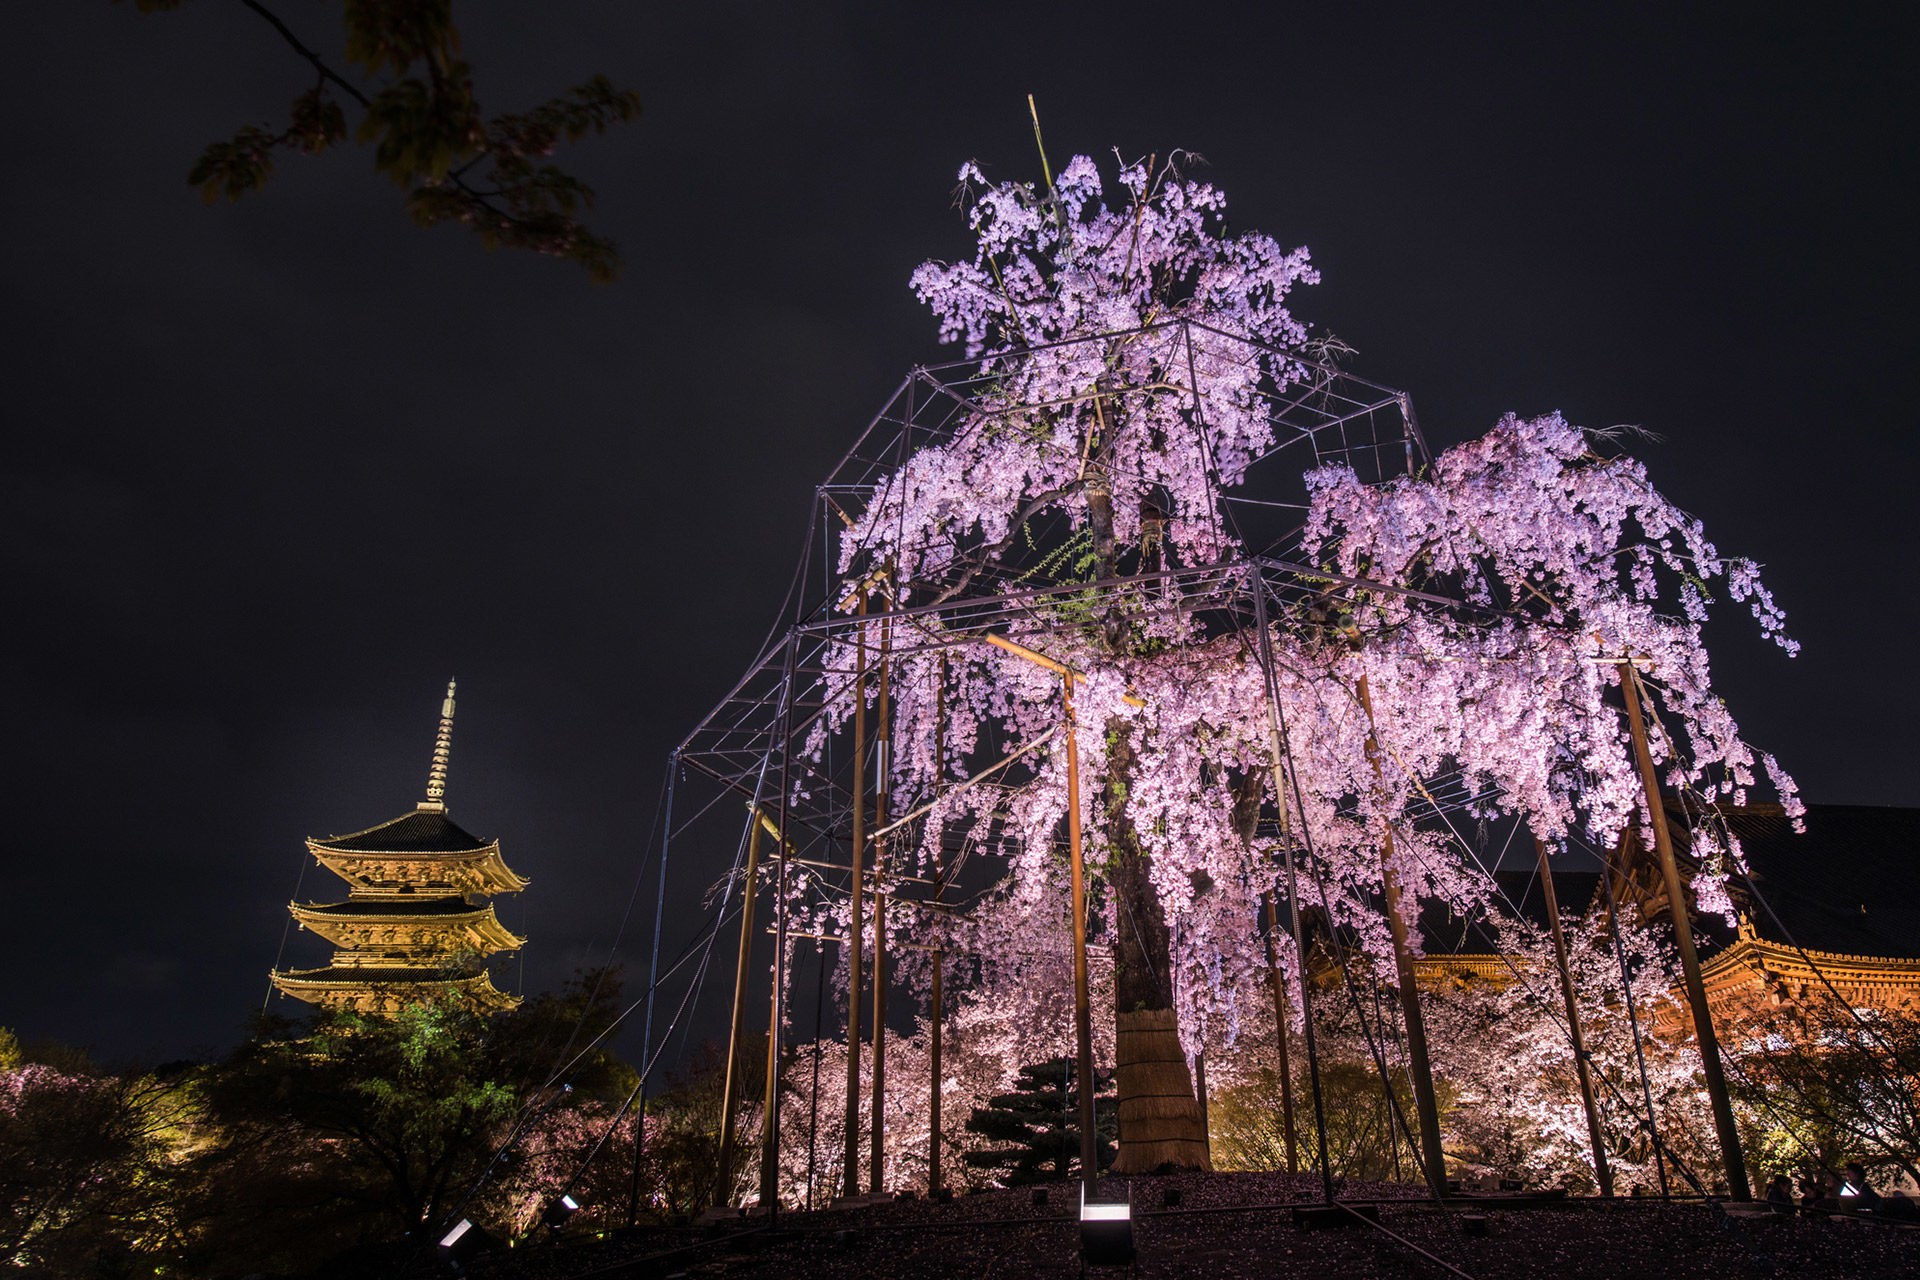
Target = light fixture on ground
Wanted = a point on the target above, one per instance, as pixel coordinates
(1106, 1231)
(462, 1244)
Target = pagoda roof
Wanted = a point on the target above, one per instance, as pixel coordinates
(380, 924)
(404, 905)
(368, 975)
(353, 986)
(422, 831)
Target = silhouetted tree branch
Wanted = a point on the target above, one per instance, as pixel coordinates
(428, 133)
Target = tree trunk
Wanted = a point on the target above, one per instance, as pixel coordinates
(1160, 1119)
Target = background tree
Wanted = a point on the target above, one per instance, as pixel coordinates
(1824, 1086)
(403, 73)
(84, 1170)
(409, 1101)
(400, 1115)
(682, 1165)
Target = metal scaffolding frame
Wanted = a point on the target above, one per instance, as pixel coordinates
(747, 747)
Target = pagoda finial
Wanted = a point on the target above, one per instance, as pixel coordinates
(436, 801)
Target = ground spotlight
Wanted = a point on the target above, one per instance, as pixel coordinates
(460, 1245)
(1106, 1232)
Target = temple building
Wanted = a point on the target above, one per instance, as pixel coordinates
(415, 926)
(1837, 913)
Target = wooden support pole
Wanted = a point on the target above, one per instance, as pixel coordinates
(1633, 1018)
(770, 1106)
(1602, 1170)
(1280, 1020)
(882, 773)
(933, 1083)
(876, 1150)
(1082, 1006)
(776, 1016)
(1723, 1122)
(1200, 1088)
(1042, 660)
(1418, 1063)
(729, 1097)
(850, 1171)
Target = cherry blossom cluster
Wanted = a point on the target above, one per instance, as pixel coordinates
(1403, 720)
(1066, 303)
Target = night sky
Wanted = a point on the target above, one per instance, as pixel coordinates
(276, 470)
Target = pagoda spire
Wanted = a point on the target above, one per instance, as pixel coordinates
(436, 801)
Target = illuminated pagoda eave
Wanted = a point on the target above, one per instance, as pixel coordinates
(395, 872)
(388, 990)
(370, 925)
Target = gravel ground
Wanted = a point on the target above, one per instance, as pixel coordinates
(1002, 1234)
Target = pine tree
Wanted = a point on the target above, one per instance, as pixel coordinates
(1039, 1122)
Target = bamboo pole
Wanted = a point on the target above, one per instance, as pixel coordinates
(1419, 1066)
(883, 743)
(1280, 1021)
(1723, 1122)
(729, 1098)
(1042, 660)
(851, 1164)
(1082, 1008)
(1582, 1066)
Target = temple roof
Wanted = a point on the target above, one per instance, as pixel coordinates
(422, 831)
(1850, 884)
(367, 975)
(388, 989)
(400, 906)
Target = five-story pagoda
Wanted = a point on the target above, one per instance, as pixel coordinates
(415, 925)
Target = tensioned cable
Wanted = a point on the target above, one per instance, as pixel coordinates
(1633, 1022)
(641, 1084)
(531, 1114)
(1649, 1124)
(619, 933)
(691, 996)
(1431, 1176)
(721, 916)
(1663, 1152)
(532, 1109)
(286, 931)
(1518, 976)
